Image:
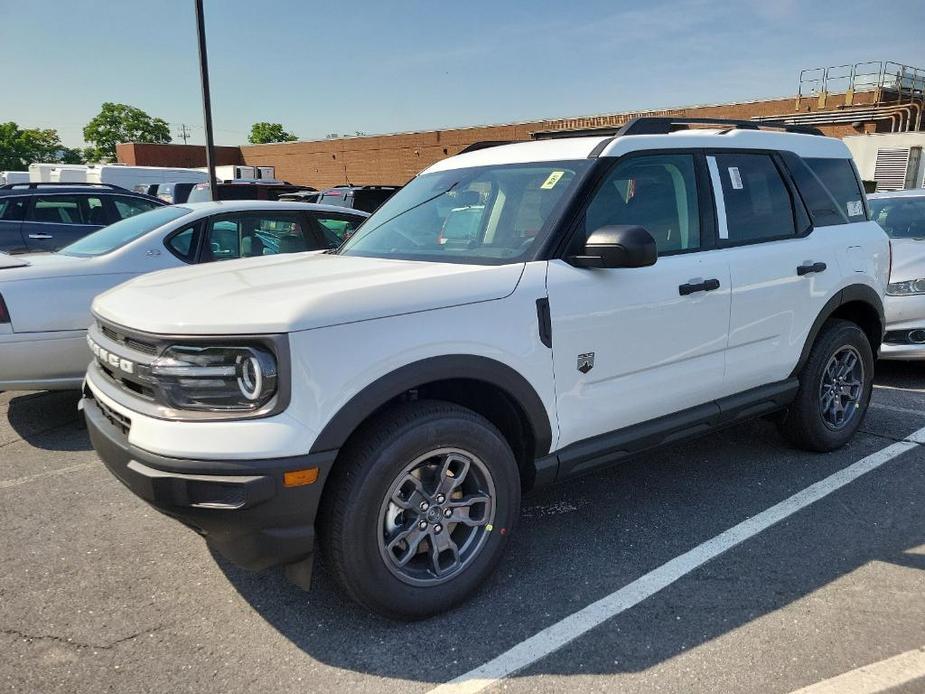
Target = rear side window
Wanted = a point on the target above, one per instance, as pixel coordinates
(335, 197)
(758, 204)
(370, 200)
(67, 209)
(338, 229)
(838, 176)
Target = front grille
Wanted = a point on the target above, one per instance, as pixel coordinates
(130, 342)
(129, 385)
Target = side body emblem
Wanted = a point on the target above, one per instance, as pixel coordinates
(586, 362)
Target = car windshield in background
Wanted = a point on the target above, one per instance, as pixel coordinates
(117, 235)
(486, 215)
(900, 217)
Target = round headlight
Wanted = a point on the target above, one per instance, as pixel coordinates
(250, 377)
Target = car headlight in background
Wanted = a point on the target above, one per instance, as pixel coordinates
(906, 288)
(216, 379)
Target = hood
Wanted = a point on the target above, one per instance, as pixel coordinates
(35, 266)
(288, 293)
(908, 260)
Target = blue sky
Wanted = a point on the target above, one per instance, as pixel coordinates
(322, 67)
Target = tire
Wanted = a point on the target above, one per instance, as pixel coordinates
(808, 424)
(362, 524)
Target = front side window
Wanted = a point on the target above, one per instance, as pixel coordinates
(252, 235)
(657, 192)
(758, 204)
(900, 217)
(337, 229)
(125, 231)
(487, 215)
(129, 207)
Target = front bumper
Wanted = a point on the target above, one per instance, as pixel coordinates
(241, 507)
(903, 314)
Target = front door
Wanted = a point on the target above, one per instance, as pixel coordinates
(633, 344)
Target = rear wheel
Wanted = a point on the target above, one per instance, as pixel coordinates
(835, 388)
(417, 513)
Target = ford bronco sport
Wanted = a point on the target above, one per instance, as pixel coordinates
(609, 294)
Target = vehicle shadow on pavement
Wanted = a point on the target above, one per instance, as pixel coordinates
(49, 421)
(580, 541)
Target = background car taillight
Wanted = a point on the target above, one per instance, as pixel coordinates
(4, 312)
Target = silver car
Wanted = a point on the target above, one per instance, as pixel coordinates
(902, 216)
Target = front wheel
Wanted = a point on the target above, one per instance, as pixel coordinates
(835, 388)
(419, 508)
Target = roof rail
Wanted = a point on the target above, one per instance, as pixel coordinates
(63, 184)
(484, 144)
(665, 125)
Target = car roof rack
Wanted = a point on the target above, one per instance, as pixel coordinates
(484, 144)
(62, 184)
(663, 125)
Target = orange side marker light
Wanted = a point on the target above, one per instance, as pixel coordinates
(300, 478)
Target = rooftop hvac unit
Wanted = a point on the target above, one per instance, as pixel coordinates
(898, 168)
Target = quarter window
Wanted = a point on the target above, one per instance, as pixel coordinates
(838, 176)
(183, 243)
(337, 229)
(657, 192)
(758, 204)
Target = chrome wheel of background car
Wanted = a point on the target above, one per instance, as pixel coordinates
(841, 388)
(436, 516)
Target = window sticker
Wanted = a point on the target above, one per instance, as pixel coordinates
(552, 180)
(735, 177)
(855, 208)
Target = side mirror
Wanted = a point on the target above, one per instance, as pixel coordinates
(617, 246)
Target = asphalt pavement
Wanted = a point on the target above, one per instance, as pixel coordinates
(98, 592)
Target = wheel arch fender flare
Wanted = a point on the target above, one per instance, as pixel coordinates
(859, 293)
(420, 373)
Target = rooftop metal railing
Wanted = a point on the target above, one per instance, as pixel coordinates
(892, 82)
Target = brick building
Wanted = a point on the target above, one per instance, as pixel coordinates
(872, 97)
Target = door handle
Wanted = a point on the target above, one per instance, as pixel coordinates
(40, 237)
(705, 286)
(807, 268)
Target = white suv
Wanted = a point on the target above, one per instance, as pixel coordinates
(514, 316)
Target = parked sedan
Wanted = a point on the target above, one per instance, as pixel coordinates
(48, 216)
(902, 216)
(45, 297)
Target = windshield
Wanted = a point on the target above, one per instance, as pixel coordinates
(487, 215)
(117, 235)
(900, 217)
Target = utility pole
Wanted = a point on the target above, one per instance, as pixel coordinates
(206, 98)
(184, 132)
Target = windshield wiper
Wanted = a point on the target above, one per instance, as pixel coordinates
(413, 207)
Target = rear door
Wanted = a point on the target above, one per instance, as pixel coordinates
(53, 221)
(782, 272)
(11, 214)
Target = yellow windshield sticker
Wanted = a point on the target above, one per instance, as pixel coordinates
(552, 180)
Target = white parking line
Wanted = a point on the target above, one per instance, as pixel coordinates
(902, 390)
(570, 628)
(876, 677)
(6, 484)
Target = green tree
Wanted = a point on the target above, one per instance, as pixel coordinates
(122, 123)
(20, 147)
(263, 133)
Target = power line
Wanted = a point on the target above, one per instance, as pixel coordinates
(183, 132)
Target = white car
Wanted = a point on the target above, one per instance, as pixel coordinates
(45, 298)
(902, 216)
(612, 294)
